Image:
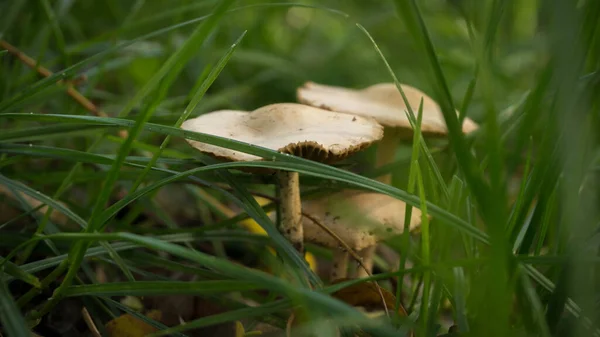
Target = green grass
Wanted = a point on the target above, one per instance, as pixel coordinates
(512, 244)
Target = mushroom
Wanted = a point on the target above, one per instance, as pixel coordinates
(384, 103)
(296, 129)
(360, 219)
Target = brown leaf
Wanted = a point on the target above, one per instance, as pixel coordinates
(366, 295)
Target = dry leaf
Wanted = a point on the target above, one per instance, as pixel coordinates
(366, 295)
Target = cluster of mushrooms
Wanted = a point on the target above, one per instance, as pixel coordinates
(330, 124)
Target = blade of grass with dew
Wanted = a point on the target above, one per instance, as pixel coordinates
(171, 68)
(198, 95)
(150, 288)
(282, 162)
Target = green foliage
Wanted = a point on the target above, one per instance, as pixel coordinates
(509, 244)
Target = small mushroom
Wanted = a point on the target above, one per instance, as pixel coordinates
(296, 129)
(384, 103)
(360, 219)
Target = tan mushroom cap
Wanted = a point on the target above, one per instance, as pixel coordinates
(291, 128)
(382, 102)
(360, 219)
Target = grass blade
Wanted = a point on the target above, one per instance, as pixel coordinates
(10, 315)
(153, 288)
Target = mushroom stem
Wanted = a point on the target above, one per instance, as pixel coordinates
(291, 209)
(386, 152)
(367, 255)
(339, 269)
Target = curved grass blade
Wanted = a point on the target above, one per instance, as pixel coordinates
(234, 315)
(198, 95)
(411, 116)
(43, 198)
(281, 161)
(162, 78)
(18, 273)
(59, 130)
(154, 288)
(10, 315)
(235, 271)
(408, 10)
(252, 208)
(141, 317)
(72, 70)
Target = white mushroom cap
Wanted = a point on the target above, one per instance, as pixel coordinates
(383, 102)
(360, 219)
(292, 128)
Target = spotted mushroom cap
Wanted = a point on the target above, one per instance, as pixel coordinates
(360, 219)
(383, 102)
(292, 128)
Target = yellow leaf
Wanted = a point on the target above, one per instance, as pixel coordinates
(239, 329)
(129, 326)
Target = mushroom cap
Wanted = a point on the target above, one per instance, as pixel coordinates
(383, 102)
(292, 128)
(359, 218)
